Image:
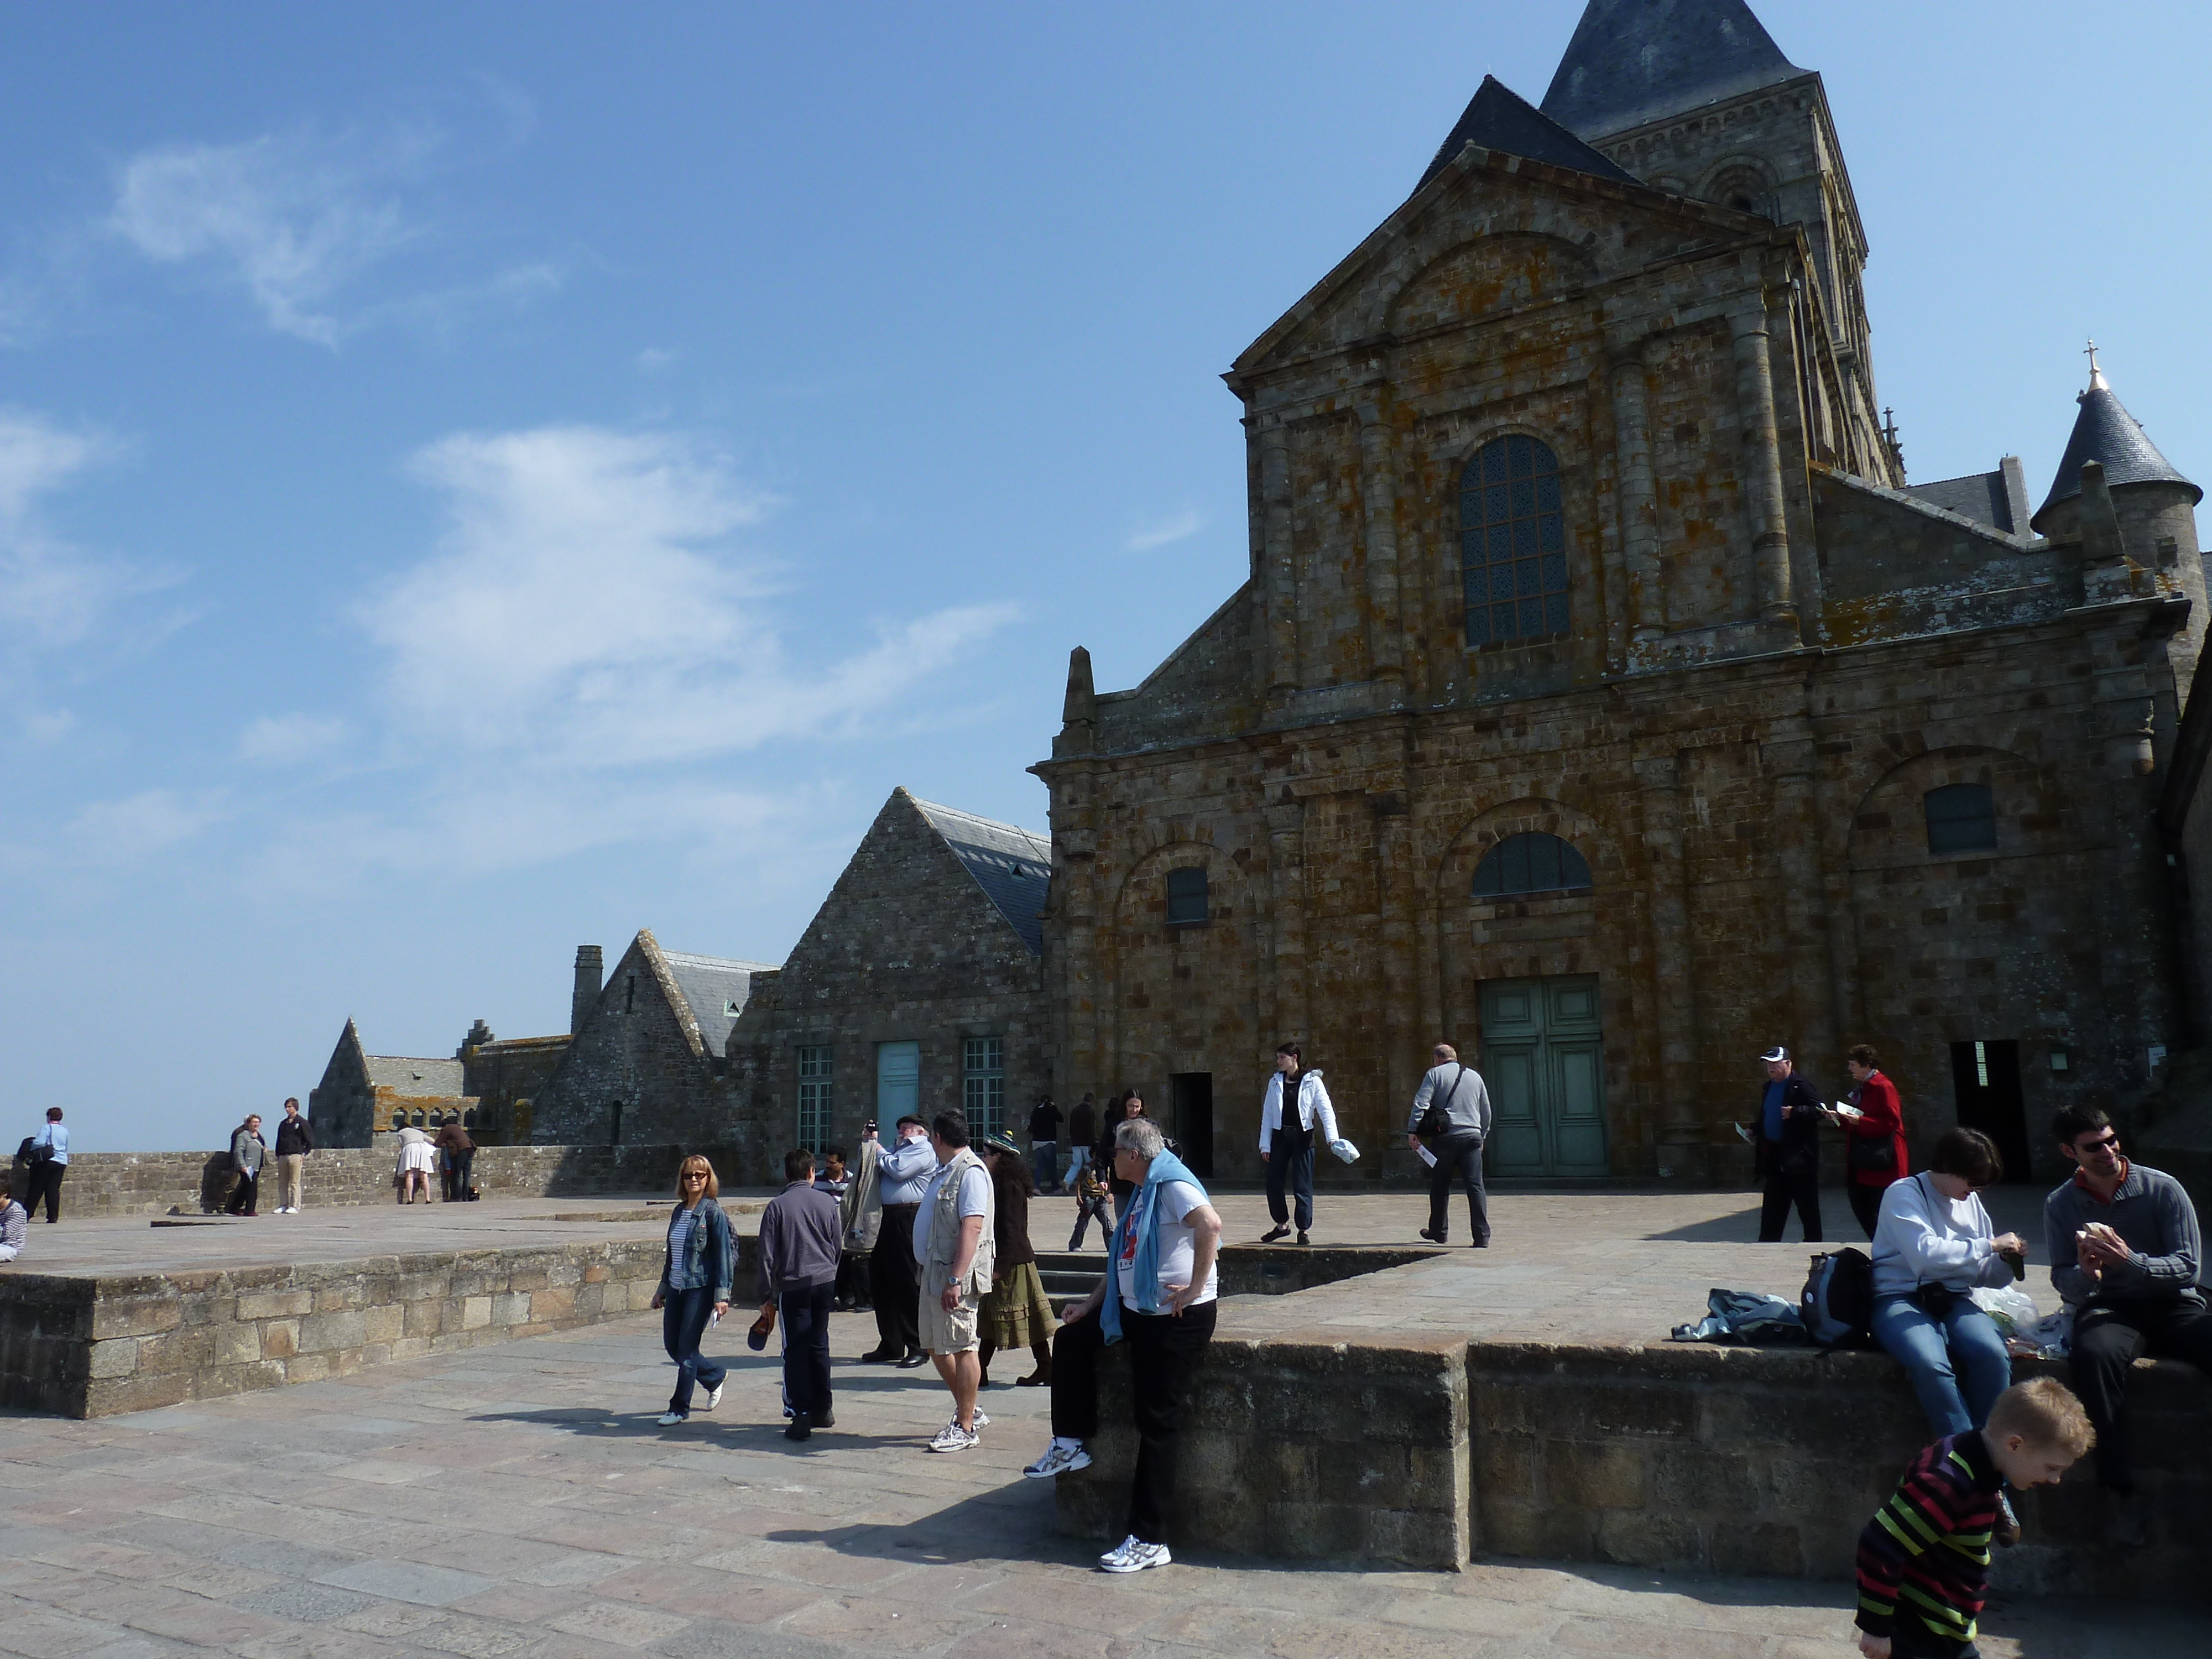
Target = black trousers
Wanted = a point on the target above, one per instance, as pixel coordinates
(2108, 1339)
(1459, 1155)
(1290, 1164)
(453, 1175)
(1866, 1205)
(45, 1180)
(806, 1347)
(1784, 1189)
(854, 1278)
(894, 1283)
(1164, 1354)
(245, 1197)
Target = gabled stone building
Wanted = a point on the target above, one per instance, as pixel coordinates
(1605, 698)
(363, 1095)
(645, 1064)
(916, 987)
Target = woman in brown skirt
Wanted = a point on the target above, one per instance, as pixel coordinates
(1015, 1312)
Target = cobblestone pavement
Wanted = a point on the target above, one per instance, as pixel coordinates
(521, 1501)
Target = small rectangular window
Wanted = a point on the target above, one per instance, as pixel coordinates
(983, 1091)
(1962, 817)
(814, 1098)
(1187, 899)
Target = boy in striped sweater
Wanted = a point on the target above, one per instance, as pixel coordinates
(1924, 1558)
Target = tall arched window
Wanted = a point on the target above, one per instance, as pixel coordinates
(1512, 543)
(1531, 863)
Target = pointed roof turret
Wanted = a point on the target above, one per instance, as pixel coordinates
(1498, 117)
(1634, 61)
(2104, 432)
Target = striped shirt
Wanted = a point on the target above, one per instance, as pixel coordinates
(680, 1274)
(1925, 1555)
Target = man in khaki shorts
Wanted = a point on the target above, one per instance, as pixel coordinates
(953, 1233)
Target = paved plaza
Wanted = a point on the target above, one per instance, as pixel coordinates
(521, 1500)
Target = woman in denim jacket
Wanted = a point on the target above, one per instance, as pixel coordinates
(694, 1283)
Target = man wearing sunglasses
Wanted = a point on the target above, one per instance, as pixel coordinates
(2125, 1253)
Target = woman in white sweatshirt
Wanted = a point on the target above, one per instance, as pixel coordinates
(1932, 1245)
(1288, 1133)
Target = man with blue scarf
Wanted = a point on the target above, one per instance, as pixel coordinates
(1157, 1301)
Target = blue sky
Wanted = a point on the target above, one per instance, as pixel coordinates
(475, 480)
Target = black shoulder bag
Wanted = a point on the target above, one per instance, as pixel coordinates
(1435, 1122)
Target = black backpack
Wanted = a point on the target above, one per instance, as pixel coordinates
(1838, 1306)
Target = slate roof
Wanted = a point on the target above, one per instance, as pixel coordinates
(1979, 496)
(716, 988)
(2104, 431)
(1499, 117)
(433, 1079)
(1634, 61)
(1011, 866)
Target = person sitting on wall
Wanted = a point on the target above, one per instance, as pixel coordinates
(2125, 1253)
(14, 1222)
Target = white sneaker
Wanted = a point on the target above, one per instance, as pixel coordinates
(714, 1397)
(952, 1438)
(669, 1419)
(982, 1419)
(1059, 1460)
(1134, 1555)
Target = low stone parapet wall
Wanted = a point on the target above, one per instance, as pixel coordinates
(157, 1183)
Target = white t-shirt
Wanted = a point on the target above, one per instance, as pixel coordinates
(1178, 1244)
(975, 1199)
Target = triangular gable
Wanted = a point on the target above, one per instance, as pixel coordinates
(1013, 867)
(1498, 117)
(1633, 62)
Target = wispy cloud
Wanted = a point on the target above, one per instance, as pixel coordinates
(51, 593)
(302, 221)
(289, 740)
(1181, 527)
(587, 606)
(141, 825)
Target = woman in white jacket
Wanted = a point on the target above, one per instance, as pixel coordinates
(1287, 1140)
(1932, 1245)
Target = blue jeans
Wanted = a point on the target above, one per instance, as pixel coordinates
(1958, 1365)
(684, 1319)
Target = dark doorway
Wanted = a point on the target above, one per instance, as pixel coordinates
(1985, 1077)
(1192, 1093)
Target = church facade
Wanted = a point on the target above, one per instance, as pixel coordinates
(1604, 699)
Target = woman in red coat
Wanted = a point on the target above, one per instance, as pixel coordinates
(1875, 1146)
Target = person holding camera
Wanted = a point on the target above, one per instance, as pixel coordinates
(1933, 1243)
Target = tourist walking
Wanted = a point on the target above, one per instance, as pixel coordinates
(1293, 1111)
(294, 1142)
(1923, 1560)
(903, 1175)
(417, 1157)
(1128, 1105)
(2125, 1254)
(1158, 1297)
(799, 1243)
(1451, 1108)
(1932, 1245)
(1874, 1154)
(694, 1291)
(1015, 1312)
(1090, 1200)
(248, 1152)
(14, 1222)
(457, 1154)
(955, 1240)
(45, 1162)
(860, 1214)
(1082, 1129)
(1786, 1147)
(1044, 1143)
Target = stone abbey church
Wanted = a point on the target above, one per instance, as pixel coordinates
(1602, 696)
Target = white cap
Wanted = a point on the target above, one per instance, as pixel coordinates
(1777, 1052)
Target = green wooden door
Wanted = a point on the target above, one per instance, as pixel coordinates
(1543, 1058)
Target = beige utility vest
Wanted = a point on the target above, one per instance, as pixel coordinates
(945, 1229)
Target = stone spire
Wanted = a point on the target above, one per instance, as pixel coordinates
(2104, 432)
(1635, 61)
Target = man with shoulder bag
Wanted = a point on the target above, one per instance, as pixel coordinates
(1451, 1113)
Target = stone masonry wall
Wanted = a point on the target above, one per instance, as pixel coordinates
(636, 1069)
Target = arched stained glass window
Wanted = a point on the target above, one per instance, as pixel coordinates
(1512, 543)
(1531, 863)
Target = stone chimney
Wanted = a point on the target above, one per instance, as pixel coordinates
(590, 975)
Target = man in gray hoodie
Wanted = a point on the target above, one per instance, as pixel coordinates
(1458, 1097)
(799, 1239)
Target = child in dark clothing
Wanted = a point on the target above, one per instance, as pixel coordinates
(1924, 1558)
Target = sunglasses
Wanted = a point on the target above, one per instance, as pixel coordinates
(2109, 1140)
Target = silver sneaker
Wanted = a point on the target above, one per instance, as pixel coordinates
(954, 1439)
(982, 1419)
(1134, 1555)
(714, 1397)
(1059, 1460)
